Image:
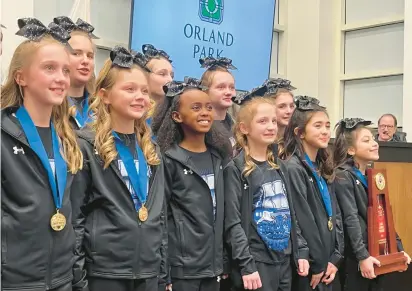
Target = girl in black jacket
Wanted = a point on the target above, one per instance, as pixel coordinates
(310, 171)
(355, 147)
(121, 237)
(82, 78)
(39, 155)
(260, 223)
(194, 152)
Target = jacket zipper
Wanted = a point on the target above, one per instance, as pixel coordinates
(210, 199)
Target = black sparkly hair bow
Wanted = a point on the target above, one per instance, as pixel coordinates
(351, 123)
(273, 85)
(174, 88)
(70, 26)
(33, 29)
(242, 97)
(123, 58)
(151, 52)
(210, 63)
(306, 103)
(140, 60)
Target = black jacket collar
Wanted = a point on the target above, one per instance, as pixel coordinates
(177, 153)
(11, 126)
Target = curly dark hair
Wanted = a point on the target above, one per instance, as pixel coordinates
(293, 145)
(168, 132)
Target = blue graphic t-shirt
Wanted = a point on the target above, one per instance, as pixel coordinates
(271, 213)
(130, 141)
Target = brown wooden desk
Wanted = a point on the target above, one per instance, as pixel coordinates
(396, 158)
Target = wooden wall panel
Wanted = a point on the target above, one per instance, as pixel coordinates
(400, 195)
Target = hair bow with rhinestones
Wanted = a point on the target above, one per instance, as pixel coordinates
(210, 63)
(151, 52)
(174, 88)
(123, 58)
(70, 26)
(306, 103)
(34, 30)
(351, 123)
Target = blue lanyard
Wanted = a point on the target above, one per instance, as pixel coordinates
(323, 187)
(138, 180)
(361, 177)
(82, 118)
(36, 144)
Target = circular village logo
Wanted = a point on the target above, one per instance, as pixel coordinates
(209, 42)
(211, 11)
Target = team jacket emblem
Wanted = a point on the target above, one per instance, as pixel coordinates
(186, 171)
(17, 150)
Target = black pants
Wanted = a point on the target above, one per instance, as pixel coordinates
(351, 278)
(303, 283)
(102, 284)
(226, 285)
(208, 284)
(65, 287)
(274, 277)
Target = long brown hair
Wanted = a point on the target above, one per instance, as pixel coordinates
(245, 116)
(344, 139)
(11, 96)
(292, 144)
(102, 125)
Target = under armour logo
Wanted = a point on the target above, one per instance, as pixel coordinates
(357, 182)
(96, 152)
(186, 171)
(245, 186)
(18, 150)
(218, 278)
(310, 179)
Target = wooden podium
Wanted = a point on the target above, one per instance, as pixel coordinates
(381, 230)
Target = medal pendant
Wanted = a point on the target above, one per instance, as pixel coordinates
(58, 221)
(143, 213)
(330, 224)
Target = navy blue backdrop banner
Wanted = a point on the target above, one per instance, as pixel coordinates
(188, 30)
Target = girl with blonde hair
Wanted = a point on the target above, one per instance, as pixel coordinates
(260, 222)
(120, 227)
(39, 158)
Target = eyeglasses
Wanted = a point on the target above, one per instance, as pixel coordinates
(383, 126)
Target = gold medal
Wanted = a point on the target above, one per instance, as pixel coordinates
(380, 181)
(330, 224)
(58, 221)
(143, 213)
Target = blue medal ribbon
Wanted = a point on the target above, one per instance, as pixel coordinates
(36, 144)
(82, 118)
(361, 177)
(323, 187)
(138, 180)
